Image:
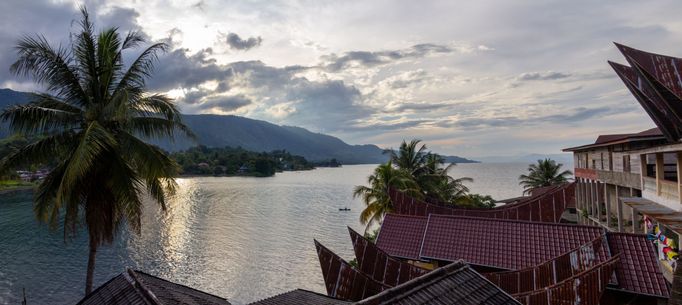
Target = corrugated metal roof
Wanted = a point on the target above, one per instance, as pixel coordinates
(544, 206)
(300, 297)
(456, 283)
(135, 287)
(638, 270)
(585, 288)
(379, 265)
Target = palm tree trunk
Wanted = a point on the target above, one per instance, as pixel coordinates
(676, 297)
(91, 266)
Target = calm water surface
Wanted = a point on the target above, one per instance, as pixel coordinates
(240, 238)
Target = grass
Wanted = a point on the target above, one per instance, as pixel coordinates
(10, 184)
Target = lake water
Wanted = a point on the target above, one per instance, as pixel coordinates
(239, 238)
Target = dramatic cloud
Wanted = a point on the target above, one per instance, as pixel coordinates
(237, 43)
(501, 75)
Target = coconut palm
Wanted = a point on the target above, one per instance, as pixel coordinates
(88, 125)
(428, 171)
(376, 195)
(411, 158)
(544, 173)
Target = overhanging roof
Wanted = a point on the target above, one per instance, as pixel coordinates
(652, 134)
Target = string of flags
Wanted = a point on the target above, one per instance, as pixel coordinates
(669, 247)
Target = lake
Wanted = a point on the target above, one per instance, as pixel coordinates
(240, 238)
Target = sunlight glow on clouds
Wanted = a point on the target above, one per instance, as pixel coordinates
(470, 78)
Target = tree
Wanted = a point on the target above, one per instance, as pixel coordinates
(89, 122)
(544, 173)
(430, 173)
(376, 196)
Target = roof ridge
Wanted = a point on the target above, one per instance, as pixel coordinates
(178, 284)
(290, 291)
(100, 288)
(515, 221)
(139, 286)
(418, 282)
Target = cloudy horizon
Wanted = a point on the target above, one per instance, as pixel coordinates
(477, 78)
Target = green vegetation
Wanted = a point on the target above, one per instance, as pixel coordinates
(14, 184)
(544, 173)
(86, 124)
(420, 174)
(202, 160)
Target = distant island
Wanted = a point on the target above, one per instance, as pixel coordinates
(255, 135)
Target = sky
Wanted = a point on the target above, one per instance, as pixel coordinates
(469, 78)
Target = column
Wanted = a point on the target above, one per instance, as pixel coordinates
(620, 209)
(659, 173)
(607, 204)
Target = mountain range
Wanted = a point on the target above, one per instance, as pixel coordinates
(255, 135)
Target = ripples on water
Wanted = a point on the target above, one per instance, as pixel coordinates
(240, 238)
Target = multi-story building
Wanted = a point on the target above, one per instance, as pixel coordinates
(629, 182)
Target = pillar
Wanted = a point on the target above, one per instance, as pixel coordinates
(620, 209)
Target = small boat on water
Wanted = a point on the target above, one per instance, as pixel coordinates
(344, 209)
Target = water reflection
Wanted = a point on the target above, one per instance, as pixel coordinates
(241, 238)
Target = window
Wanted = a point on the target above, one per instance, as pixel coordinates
(601, 159)
(626, 164)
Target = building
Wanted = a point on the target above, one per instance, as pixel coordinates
(630, 182)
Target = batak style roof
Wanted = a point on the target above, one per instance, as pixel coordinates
(300, 297)
(497, 243)
(135, 287)
(585, 288)
(455, 283)
(379, 265)
(546, 205)
(513, 245)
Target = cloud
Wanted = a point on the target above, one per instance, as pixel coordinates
(567, 116)
(226, 103)
(366, 59)
(549, 75)
(235, 42)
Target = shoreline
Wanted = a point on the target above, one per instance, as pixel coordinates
(10, 190)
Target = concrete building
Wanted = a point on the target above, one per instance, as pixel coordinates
(631, 182)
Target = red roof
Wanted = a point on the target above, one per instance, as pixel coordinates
(505, 244)
(404, 235)
(638, 269)
(610, 139)
(513, 245)
(546, 205)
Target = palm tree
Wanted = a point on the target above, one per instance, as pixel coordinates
(376, 195)
(428, 171)
(545, 173)
(411, 157)
(88, 124)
